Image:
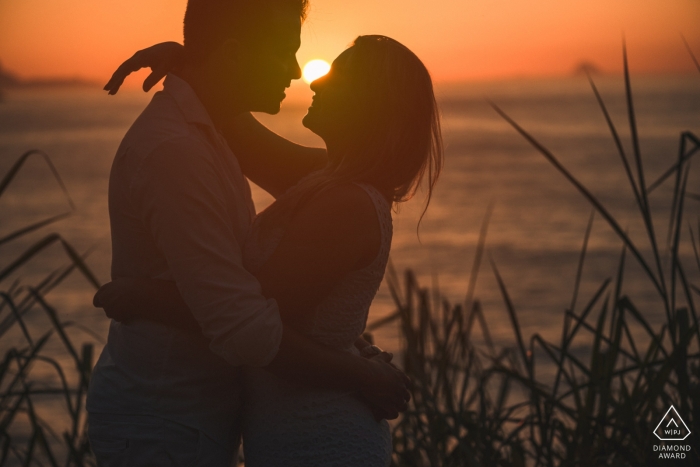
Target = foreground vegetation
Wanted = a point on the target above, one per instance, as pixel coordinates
(33, 375)
(482, 406)
(472, 405)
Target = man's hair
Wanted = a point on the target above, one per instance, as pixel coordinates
(209, 23)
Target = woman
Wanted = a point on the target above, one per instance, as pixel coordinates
(322, 247)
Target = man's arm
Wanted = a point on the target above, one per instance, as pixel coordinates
(179, 196)
(182, 203)
(272, 162)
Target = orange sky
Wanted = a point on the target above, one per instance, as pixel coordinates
(457, 39)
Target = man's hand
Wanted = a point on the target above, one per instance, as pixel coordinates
(117, 299)
(365, 345)
(160, 58)
(386, 388)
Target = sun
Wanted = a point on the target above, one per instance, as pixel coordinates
(315, 69)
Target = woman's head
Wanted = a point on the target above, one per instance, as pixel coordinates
(377, 113)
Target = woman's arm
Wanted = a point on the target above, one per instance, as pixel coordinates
(272, 162)
(268, 159)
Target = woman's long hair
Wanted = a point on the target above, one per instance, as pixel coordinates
(399, 141)
(399, 138)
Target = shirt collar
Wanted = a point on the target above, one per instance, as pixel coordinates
(187, 100)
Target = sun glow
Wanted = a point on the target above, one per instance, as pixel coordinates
(315, 69)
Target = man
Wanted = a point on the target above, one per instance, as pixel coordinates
(180, 209)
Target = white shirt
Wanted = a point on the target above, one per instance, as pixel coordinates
(181, 209)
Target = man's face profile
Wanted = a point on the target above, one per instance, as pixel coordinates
(265, 62)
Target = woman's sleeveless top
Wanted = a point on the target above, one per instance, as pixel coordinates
(292, 425)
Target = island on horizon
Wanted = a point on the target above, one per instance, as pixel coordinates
(586, 67)
(9, 79)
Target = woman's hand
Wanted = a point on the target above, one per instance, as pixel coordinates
(387, 390)
(160, 58)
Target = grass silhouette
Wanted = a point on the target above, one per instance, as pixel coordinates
(30, 373)
(480, 406)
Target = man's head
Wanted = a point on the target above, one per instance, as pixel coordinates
(246, 48)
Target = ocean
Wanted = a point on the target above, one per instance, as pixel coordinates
(537, 226)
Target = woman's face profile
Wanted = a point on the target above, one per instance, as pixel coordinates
(336, 109)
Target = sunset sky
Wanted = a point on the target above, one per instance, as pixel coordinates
(457, 39)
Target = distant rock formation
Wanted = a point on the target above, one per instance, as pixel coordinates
(9, 79)
(587, 68)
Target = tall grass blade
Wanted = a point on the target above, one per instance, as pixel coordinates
(689, 299)
(677, 237)
(27, 255)
(51, 312)
(80, 264)
(685, 156)
(64, 390)
(8, 414)
(690, 51)
(477, 257)
(10, 175)
(51, 281)
(645, 208)
(15, 313)
(586, 311)
(31, 228)
(41, 245)
(588, 195)
(617, 140)
(513, 316)
(633, 129)
(676, 192)
(39, 434)
(695, 250)
(582, 257)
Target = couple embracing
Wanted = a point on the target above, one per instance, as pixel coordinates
(226, 323)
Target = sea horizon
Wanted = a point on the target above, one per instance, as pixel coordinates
(538, 221)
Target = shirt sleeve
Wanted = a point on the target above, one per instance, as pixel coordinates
(181, 200)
